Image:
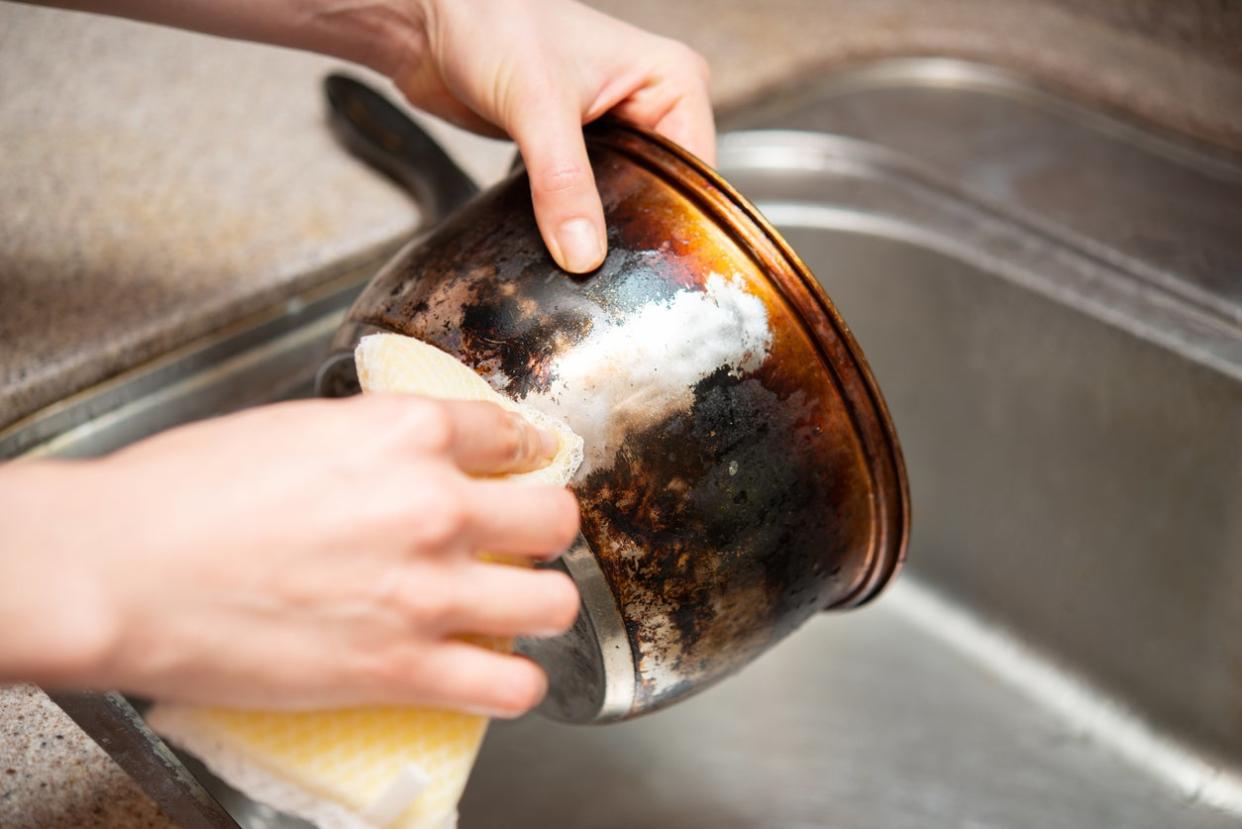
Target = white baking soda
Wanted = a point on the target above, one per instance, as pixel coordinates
(633, 373)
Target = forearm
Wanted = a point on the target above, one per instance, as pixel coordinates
(384, 35)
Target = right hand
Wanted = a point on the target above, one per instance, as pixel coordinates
(306, 554)
(537, 70)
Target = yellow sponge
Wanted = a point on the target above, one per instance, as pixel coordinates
(393, 363)
(363, 768)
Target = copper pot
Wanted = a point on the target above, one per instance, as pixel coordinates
(742, 470)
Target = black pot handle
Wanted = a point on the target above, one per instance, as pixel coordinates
(375, 130)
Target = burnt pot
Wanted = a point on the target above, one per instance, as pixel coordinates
(742, 470)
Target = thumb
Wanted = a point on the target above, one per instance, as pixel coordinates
(567, 206)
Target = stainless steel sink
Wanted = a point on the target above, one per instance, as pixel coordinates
(903, 716)
(1052, 303)
(1059, 653)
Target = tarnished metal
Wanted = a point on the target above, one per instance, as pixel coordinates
(590, 668)
(742, 472)
(378, 132)
(113, 723)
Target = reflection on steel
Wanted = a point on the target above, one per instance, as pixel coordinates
(591, 668)
(1164, 210)
(912, 713)
(264, 357)
(1073, 430)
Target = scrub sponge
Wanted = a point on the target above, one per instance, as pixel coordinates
(375, 767)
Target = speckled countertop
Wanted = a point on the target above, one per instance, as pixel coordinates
(53, 775)
(157, 185)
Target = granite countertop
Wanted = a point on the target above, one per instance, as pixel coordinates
(160, 184)
(157, 185)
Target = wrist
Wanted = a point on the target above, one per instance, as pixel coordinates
(388, 36)
(58, 627)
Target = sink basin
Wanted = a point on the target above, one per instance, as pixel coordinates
(1063, 359)
(871, 719)
(1074, 439)
(1051, 301)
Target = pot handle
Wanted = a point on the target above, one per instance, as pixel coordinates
(375, 130)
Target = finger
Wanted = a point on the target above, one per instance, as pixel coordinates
(515, 601)
(548, 132)
(476, 680)
(691, 124)
(520, 519)
(425, 89)
(489, 440)
(684, 116)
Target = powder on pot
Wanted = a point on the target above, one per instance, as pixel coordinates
(635, 372)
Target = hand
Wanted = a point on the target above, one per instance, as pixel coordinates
(538, 70)
(316, 553)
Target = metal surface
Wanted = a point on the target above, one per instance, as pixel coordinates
(1073, 429)
(269, 355)
(1166, 210)
(1074, 437)
(591, 668)
(378, 132)
(895, 717)
(741, 471)
(119, 730)
(1088, 490)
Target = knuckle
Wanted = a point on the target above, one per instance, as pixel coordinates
(377, 416)
(383, 670)
(686, 61)
(443, 519)
(560, 179)
(384, 509)
(429, 605)
(429, 426)
(512, 444)
(701, 68)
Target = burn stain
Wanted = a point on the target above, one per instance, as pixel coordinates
(710, 527)
(720, 528)
(505, 332)
(495, 299)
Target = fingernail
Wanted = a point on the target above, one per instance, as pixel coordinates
(549, 443)
(580, 245)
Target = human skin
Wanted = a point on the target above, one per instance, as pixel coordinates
(325, 553)
(314, 553)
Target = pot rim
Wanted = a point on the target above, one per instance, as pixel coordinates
(820, 319)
